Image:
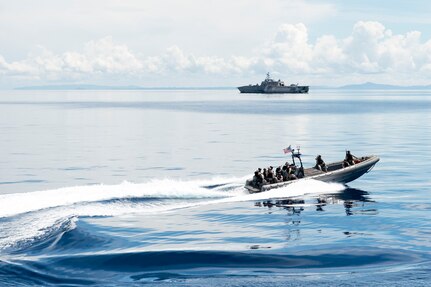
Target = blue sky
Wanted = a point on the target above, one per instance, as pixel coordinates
(214, 43)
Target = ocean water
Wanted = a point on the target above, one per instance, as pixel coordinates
(113, 188)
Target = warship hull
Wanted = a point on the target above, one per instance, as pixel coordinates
(251, 89)
(274, 90)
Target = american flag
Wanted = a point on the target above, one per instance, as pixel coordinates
(288, 149)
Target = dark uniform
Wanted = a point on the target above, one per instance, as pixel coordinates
(350, 158)
(320, 164)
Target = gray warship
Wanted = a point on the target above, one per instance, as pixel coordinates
(270, 86)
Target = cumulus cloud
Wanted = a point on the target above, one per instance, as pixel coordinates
(175, 60)
(101, 56)
(290, 49)
(370, 49)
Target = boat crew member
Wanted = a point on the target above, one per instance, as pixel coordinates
(278, 170)
(279, 178)
(349, 159)
(291, 170)
(279, 175)
(320, 164)
(255, 180)
(285, 173)
(271, 177)
(265, 174)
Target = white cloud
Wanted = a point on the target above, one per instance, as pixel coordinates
(290, 49)
(102, 56)
(370, 52)
(194, 25)
(369, 49)
(328, 55)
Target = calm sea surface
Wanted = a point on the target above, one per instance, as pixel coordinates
(115, 188)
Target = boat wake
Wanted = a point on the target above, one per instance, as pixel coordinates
(26, 218)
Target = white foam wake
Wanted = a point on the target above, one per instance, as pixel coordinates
(301, 188)
(28, 217)
(17, 203)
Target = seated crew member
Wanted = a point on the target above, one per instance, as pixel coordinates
(278, 176)
(271, 176)
(292, 170)
(255, 180)
(320, 164)
(261, 178)
(277, 170)
(350, 158)
(292, 176)
(265, 174)
(259, 173)
(285, 173)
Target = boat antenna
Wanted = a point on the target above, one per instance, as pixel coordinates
(298, 155)
(268, 76)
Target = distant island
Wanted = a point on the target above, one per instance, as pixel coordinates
(364, 86)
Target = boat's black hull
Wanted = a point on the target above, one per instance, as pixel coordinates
(340, 175)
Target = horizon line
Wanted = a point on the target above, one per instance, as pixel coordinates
(366, 85)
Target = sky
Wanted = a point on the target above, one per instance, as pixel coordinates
(165, 43)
